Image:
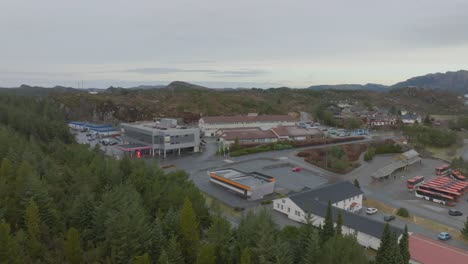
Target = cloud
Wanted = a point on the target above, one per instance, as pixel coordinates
(216, 73)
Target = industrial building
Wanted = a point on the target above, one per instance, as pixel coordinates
(162, 137)
(402, 161)
(210, 124)
(345, 198)
(102, 129)
(257, 135)
(253, 185)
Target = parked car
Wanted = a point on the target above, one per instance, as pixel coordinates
(444, 236)
(113, 142)
(371, 211)
(296, 169)
(389, 218)
(454, 212)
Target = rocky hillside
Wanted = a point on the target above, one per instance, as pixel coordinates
(188, 101)
(456, 82)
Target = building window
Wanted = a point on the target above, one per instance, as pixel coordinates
(281, 207)
(277, 205)
(289, 210)
(284, 201)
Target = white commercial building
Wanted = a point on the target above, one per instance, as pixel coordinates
(210, 124)
(345, 198)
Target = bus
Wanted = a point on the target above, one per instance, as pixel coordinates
(454, 194)
(434, 197)
(413, 182)
(457, 175)
(443, 170)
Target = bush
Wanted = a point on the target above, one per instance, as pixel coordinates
(369, 154)
(403, 212)
(267, 201)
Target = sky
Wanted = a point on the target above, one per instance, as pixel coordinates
(221, 43)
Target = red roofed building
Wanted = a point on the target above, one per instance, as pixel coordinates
(428, 251)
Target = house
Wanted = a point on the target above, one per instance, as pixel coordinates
(411, 118)
(345, 198)
(210, 124)
(380, 121)
(428, 251)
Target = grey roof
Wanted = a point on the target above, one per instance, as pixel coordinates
(410, 154)
(351, 220)
(334, 193)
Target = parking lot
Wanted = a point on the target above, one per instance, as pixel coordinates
(393, 191)
(81, 138)
(286, 180)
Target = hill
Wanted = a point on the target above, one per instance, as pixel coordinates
(366, 87)
(26, 90)
(456, 82)
(189, 101)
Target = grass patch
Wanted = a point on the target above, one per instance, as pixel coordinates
(223, 207)
(379, 205)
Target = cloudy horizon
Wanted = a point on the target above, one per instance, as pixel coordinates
(262, 43)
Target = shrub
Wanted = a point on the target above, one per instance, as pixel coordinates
(403, 212)
(267, 201)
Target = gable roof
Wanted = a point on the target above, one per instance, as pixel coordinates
(247, 119)
(334, 193)
(355, 221)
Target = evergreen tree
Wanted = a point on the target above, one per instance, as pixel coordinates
(384, 245)
(72, 247)
(464, 230)
(188, 228)
(163, 258)
(327, 230)
(174, 252)
(356, 183)
(396, 257)
(404, 247)
(246, 257)
(265, 245)
(339, 224)
(33, 224)
(143, 259)
(206, 255)
(219, 235)
(342, 249)
(311, 251)
(9, 251)
(157, 239)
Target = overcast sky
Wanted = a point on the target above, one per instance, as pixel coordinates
(262, 43)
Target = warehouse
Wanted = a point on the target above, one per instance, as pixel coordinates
(210, 124)
(259, 136)
(253, 185)
(102, 129)
(163, 137)
(345, 198)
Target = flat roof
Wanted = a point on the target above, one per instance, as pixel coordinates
(251, 179)
(152, 126)
(429, 251)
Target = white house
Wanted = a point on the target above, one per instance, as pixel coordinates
(210, 124)
(409, 119)
(345, 198)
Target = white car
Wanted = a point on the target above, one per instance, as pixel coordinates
(371, 211)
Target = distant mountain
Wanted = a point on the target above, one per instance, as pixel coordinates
(27, 90)
(178, 85)
(456, 82)
(349, 87)
(147, 87)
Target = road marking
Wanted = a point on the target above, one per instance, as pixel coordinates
(228, 161)
(282, 158)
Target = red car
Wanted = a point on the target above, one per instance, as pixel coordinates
(296, 169)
